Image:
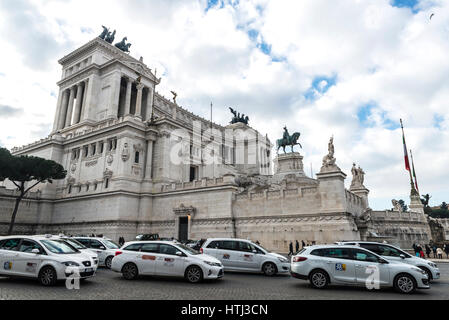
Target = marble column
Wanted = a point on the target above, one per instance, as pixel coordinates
(68, 119)
(64, 105)
(149, 106)
(83, 107)
(79, 100)
(128, 97)
(58, 111)
(139, 101)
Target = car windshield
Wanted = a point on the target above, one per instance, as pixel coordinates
(110, 244)
(188, 249)
(261, 248)
(75, 244)
(59, 247)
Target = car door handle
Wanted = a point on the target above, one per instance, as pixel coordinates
(358, 265)
(329, 262)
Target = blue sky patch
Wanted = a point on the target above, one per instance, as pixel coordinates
(320, 85)
(405, 4)
(437, 120)
(366, 111)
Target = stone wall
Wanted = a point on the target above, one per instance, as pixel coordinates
(405, 228)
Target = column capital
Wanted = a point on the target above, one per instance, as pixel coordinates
(140, 86)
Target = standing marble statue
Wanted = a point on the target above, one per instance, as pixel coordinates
(358, 176)
(329, 160)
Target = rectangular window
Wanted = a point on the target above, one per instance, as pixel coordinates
(137, 157)
(85, 151)
(93, 149)
(101, 147)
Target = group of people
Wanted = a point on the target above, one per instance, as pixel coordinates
(431, 248)
(290, 247)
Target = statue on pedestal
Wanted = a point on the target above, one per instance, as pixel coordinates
(237, 118)
(329, 160)
(288, 140)
(358, 177)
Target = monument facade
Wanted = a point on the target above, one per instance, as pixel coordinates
(140, 163)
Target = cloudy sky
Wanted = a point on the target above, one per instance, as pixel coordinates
(348, 68)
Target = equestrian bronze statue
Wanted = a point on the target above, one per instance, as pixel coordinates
(288, 140)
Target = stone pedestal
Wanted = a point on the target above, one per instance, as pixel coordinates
(363, 192)
(289, 164)
(332, 190)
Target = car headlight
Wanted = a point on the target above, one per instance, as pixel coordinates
(421, 271)
(213, 264)
(283, 260)
(70, 264)
(433, 265)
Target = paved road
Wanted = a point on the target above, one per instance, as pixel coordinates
(108, 285)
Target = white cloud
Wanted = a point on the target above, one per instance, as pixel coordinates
(384, 56)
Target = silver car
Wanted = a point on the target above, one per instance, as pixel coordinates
(392, 253)
(353, 265)
(244, 255)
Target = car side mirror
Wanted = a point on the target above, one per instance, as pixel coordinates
(36, 251)
(402, 256)
(102, 248)
(382, 261)
(179, 253)
(254, 251)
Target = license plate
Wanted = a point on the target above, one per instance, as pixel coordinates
(89, 270)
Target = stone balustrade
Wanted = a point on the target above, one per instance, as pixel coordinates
(203, 183)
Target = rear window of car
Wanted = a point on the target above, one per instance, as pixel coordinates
(339, 253)
(133, 247)
(9, 244)
(213, 245)
(85, 242)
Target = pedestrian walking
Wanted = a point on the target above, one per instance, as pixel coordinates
(290, 247)
(446, 249)
(434, 249)
(297, 246)
(428, 251)
(440, 253)
(303, 243)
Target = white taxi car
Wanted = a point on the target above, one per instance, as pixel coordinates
(165, 258)
(392, 253)
(104, 247)
(353, 265)
(46, 258)
(244, 255)
(79, 246)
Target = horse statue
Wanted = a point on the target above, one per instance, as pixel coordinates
(122, 45)
(104, 33)
(239, 118)
(110, 37)
(288, 141)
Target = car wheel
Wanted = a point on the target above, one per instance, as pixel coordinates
(405, 283)
(130, 271)
(108, 262)
(269, 269)
(319, 279)
(194, 274)
(47, 276)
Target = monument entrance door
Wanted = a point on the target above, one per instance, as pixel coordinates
(183, 228)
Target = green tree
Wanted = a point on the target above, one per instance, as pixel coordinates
(22, 170)
(443, 206)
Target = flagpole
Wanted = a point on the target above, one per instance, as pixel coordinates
(414, 173)
(413, 190)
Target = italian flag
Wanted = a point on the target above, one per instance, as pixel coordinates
(407, 163)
